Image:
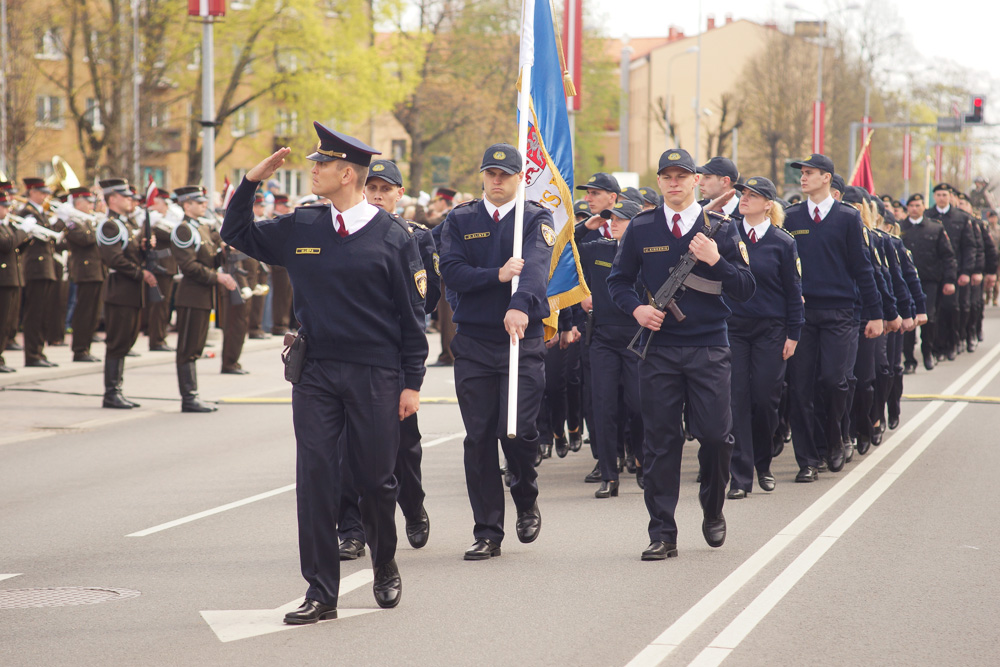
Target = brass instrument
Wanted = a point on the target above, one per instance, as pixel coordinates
(63, 178)
(37, 230)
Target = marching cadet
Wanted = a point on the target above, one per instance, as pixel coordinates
(198, 255)
(951, 307)
(164, 217)
(384, 188)
(281, 286)
(835, 271)
(86, 270)
(121, 252)
(968, 307)
(12, 241)
(612, 364)
(933, 257)
(650, 198)
(763, 334)
(477, 264)
(360, 288)
(982, 281)
(718, 176)
(233, 308)
(687, 360)
(41, 281)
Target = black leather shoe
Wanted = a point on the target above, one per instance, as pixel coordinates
(388, 586)
(864, 444)
(483, 549)
(970, 345)
(777, 444)
(786, 433)
(130, 353)
(951, 354)
(848, 452)
(529, 524)
(714, 531)
(14, 346)
(310, 612)
(807, 474)
(562, 446)
(639, 478)
(736, 494)
(39, 363)
(7, 369)
(909, 368)
(594, 476)
(608, 489)
(893, 423)
(835, 457)
(660, 551)
(546, 449)
(85, 356)
(630, 464)
(928, 362)
(506, 478)
(418, 530)
(698, 478)
(538, 456)
(161, 348)
(234, 371)
(877, 437)
(575, 440)
(351, 549)
(766, 481)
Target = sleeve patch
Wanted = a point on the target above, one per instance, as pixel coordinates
(549, 235)
(744, 253)
(420, 279)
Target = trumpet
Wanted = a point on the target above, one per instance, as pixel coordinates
(34, 229)
(67, 212)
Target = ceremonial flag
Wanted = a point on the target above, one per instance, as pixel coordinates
(227, 192)
(151, 191)
(549, 155)
(862, 174)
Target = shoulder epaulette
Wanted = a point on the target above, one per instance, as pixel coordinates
(782, 229)
(414, 223)
(794, 207)
(466, 203)
(644, 214)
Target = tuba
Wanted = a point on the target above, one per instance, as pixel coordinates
(62, 179)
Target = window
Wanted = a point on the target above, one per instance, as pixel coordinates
(244, 122)
(288, 123)
(92, 115)
(49, 45)
(398, 150)
(291, 182)
(49, 111)
(159, 115)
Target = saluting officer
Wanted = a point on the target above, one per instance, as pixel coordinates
(835, 272)
(359, 296)
(687, 360)
(197, 251)
(86, 270)
(121, 252)
(41, 280)
(384, 188)
(477, 264)
(12, 241)
(763, 334)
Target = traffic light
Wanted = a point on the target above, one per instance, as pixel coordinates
(976, 117)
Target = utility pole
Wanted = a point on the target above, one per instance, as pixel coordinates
(136, 79)
(3, 88)
(207, 103)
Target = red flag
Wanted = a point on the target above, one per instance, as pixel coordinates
(227, 192)
(862, 174)
(151, 191)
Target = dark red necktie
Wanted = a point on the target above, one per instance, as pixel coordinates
(342, 229)
(677, 228)
(753, 236)
(605, 232)
(816, 217)
(496, 215)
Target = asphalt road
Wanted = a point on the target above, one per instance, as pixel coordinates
(891, 561)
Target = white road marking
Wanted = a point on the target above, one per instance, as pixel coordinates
(731, 637)
(661, 647)
(231, 625)
(9, 576)
(253, 499)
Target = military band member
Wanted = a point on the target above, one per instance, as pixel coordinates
(41, 280)
(233, 308)
(121, 251)
(8, 188)
(86, 270)
(258, 276)
(477, 263)
(687, 360)
(281, 287)
(164, 217)
(197, 251)
(360, 286)
(12, 241)
(384, 188)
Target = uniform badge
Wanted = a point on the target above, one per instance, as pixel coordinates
(420, 278)
(619, 205)
(744, 253)
(864, 230)
(378, 167)
(798, 266)
(752, 181)
(499, 155)
(878, 260)
(437, 263)
(307, 251)
(549, 235)
(674, 156)
(592, 179)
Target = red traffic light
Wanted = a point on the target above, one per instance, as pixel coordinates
(976, 117)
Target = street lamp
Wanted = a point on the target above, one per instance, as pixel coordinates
(818, 108)
(666, 107)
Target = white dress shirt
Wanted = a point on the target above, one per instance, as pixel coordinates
(504, 210)
(759, 229)
(689, 217)
(823, 207)
(356, 217)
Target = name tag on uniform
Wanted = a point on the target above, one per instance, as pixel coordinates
(307, 251)
(477, 235)
(602, 263)
(796, 232)
(657, 248)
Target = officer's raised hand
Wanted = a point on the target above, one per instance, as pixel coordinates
(720, 201)
(515, 322)
(268, 165)
(705, 249)
(648, 317)
(594, 222)
(510, 269)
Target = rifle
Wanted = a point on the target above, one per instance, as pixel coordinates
(665, 298)
(149, 257)
(588, 330)
(233, 268)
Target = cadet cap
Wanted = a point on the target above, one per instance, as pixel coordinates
(762, 186)
(387, 171)
(676, 157)
(721, 166)
(601, 181)
(816, 161)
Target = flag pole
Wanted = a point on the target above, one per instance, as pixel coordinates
(523, 110)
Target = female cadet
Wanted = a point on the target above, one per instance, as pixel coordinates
(763, 333)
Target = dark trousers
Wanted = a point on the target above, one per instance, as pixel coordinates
(159, 313)
(192, 332)
(974, 326)
(562, 392)
(410, 491)
(40, 299)
(234, 329)
(281, 300)
(345, 416)
(847, 420)
(586, 386)
(9, 297)
(894, 353)
(819, 386)
(446, 325)
(927, 331)
(666, 377)
(864, 394)
(55, 318)
(614, 367)
(758, 373)
(481, 369)
(86, 315)
(255, 314)
(122, 326)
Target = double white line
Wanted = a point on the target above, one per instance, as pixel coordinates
(731, 637)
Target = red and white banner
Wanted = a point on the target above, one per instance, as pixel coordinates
(907, 147)
(819, 116)
(938, 166)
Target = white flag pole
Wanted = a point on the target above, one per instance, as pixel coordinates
(527, 58)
